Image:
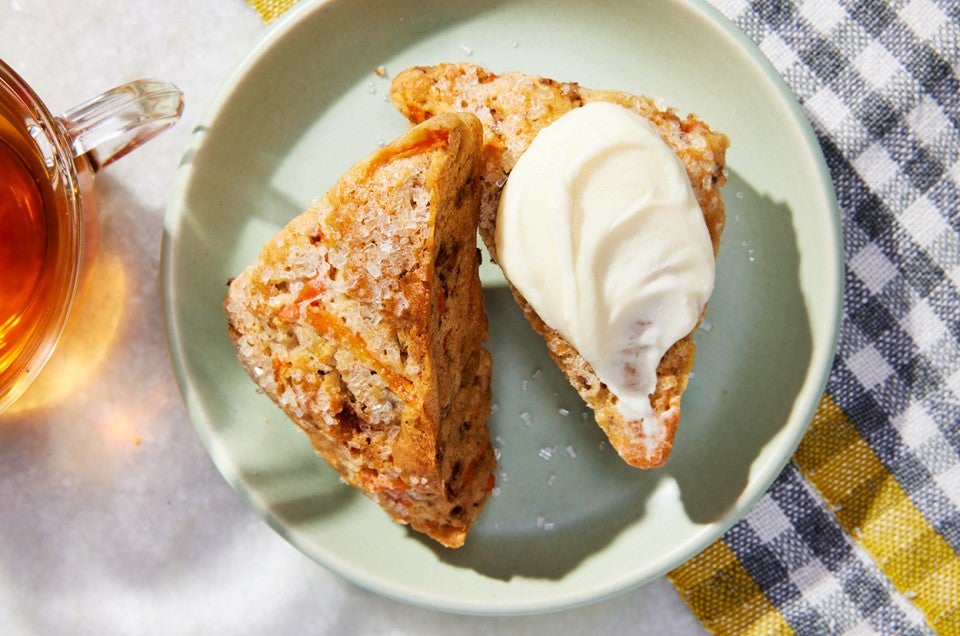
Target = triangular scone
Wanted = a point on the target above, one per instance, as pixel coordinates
(514, 107)
(364, 320)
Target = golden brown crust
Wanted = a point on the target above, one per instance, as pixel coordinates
(513, 108)
(363, 319)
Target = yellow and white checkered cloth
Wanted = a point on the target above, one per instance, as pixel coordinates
(270, 10)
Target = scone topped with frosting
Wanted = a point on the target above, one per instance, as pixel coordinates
(606, 221)
(363, 320)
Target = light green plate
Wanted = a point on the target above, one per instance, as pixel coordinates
(570, 522)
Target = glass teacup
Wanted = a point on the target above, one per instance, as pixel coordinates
(47, 215)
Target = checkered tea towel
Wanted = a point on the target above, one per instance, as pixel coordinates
(860, 534)
(270, 10)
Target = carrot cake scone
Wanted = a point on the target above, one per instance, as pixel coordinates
(363, 320)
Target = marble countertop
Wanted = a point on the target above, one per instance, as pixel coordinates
(114, 519)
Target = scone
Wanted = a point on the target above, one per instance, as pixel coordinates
(513, 108)
(363, 320)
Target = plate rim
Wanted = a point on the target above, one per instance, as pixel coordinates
(755, 488)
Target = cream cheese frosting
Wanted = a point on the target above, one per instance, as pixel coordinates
(600, 231)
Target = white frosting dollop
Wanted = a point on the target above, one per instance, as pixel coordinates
(599, 229)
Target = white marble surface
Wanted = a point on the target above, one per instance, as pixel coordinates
(114, 519)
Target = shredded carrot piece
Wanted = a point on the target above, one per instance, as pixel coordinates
(392, 487)
(305, 309)
(322, 320)
(310, 292)
(434, 138)
(472, 466)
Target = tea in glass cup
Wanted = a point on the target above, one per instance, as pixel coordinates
(47, 217)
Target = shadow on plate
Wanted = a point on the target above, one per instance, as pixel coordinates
(752, 362)
(302, 492)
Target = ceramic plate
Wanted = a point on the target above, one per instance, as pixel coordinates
(570, 522)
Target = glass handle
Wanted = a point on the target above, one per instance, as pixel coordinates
(122, 119)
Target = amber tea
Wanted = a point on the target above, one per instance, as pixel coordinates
(47, 225)
(29, 239)
(23, 235)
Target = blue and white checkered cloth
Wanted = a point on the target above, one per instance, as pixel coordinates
(861, 532)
